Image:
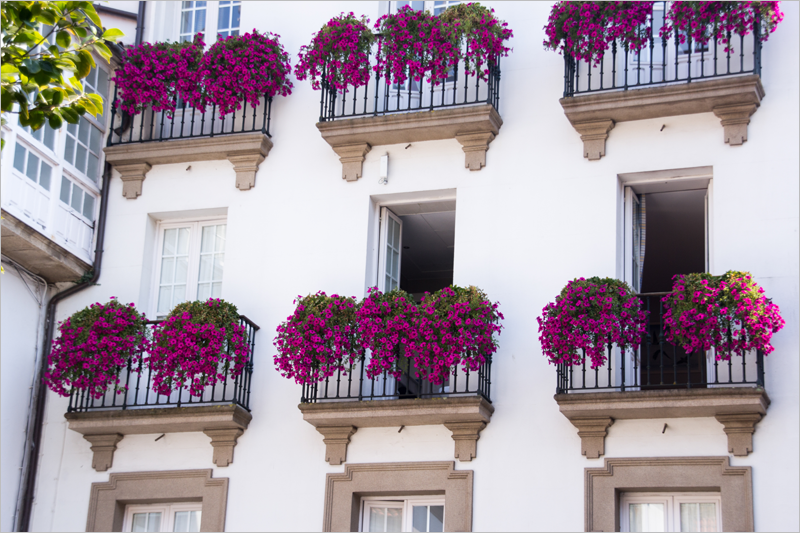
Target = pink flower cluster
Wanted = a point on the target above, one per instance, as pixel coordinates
(338, 53)
(238, 68)
(196, 346)
(588, 315)
(325, 334)
(156, 75)
(94, 346)
(585, 30)
(704, 21)
(728, 313)
(245, 68)
(318, 339)
(386, 324)
(456, 326)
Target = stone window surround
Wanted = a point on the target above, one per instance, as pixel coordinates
(604, 485)
(108, 499)
(733, 100)
(343, 492)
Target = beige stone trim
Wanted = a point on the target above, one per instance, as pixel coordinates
(668, 474)
(592, 432)
(465, 417)
(103, 448)
(343, 492)
(107, 500)
(740, 407)
(740, 429)
(594, 135)
(474, 126)
(37, 253)
(246, 151)
(734, 119)
(223, 423)
(723, 94)
(352, 158)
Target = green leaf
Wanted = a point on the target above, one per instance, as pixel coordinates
(47, 17)
(81, 32)
(63, 39)
(88, 8)
(102, 49)
(112, 34)
(9, 68)
(31, 66)
(55, 121)
(77, 84)
(42, 78)
(70, 115)
(46, 66)
(86, 64)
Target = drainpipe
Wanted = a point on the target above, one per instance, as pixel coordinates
(140, 23)
(41, 390)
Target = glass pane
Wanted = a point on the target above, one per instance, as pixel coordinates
(224, 17)
(69, 149)
(377, 519)
(19, 157)
(91, 79)
(420, 518)
(33, 167)
(207, 241)
(88, 206)
(199, 20)
(183, 241)
(146, 522)
(396, 240)
(394, 519)
(187, 521)
(219, 263)
(102, 83)
(437, 518)
(216, 290)
(178, 294)
(203, 291)
(186, 21)
(77, 198)
(187, 5)
(164, 300)
(236, 11)
(44, 176)
(154, 522)
(50, 137)
(167, 270)
(181, 269)
(699, 517)
(80, 158)
(219, 243)
(66, 186)
(36, 134)
(96, 142)
(206, 262)
(395, 264)
(646, 517)
(170, 240)
(83, 132)
(92, 169)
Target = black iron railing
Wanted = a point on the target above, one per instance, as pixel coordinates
(380, 97)
(354, 385)
(140, 394)
(187, 122)
(664, 61)
(658, 364)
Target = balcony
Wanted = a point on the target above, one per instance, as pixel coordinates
(222, 412)
(464, 108)
(664, 79)
(138, 142)
(661, 380)
(344, 402)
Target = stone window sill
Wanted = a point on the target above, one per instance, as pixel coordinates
(338, 421)
(738, 409)
(472, 126)
(104, 429)
(246, 151)
(733, 100)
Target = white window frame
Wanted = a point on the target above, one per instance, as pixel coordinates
(41, 224)
(406, 503)
(386, 215)
(195, 235)
(672, 507)
(212, 21)
(167, 511)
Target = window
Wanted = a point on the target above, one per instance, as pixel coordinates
(97, 83)
(32, 166)
(229, 19)
(80, 201)
(191, 258)
(385, 514)
(163, 517)
(29, 185)
(193, 20)
(670, 512)
(74, 218)
(83, 148)
(45, 135)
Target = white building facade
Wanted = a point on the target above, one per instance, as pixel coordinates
(553, 198)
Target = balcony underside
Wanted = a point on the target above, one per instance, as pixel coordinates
(39, 254)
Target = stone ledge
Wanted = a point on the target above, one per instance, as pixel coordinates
(246, 151)
(465, 417)
(224, 424)
(39, 254)
(732, 99)
(737, 408)
(473, 126)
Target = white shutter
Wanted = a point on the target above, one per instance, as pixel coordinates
(391, 248)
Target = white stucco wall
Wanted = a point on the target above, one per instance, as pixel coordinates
(535, 217)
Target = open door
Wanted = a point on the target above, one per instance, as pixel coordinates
(391, 248)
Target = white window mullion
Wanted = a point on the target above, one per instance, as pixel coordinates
(391, 248)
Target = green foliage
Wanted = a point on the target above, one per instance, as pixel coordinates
(41, 72)
(598, 287)
(222, 314)
(83, 320)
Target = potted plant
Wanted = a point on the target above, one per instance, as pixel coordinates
(728, 313)
(587, 316)
(338, 53)
(94, 345)
(385, 324)
(318, 338)
(199, 344)
(156, 75)
(480, 33)
(244, 68)
(455, 326)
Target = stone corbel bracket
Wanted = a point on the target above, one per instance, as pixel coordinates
(473, 127)
(224, 424)
(738, 409)
(732, 99)
(465, 417)
(246, 151)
